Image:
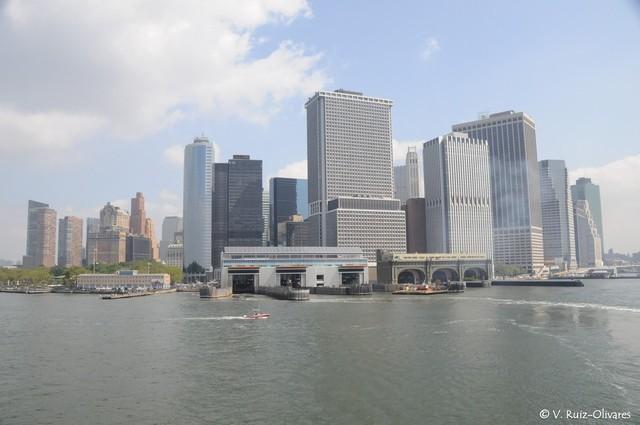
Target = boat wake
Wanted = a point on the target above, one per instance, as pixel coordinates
(210, 318)
(507, 301)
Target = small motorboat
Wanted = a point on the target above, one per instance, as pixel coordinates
(256, 315)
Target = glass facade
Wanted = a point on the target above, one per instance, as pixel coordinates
(288, 197)
(198, 185)
(515, 186)
(219, 226)
(585, 190)
(237, 204)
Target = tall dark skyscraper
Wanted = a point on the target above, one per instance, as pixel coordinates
(515, 187)
(237, 205)
(220, 211)
(287, 197)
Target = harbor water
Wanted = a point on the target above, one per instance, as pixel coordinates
(486, 356)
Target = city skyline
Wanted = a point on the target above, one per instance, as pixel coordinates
(78, 133)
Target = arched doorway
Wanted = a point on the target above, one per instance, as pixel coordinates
(411, 276)
(445, 275)
(475, 273)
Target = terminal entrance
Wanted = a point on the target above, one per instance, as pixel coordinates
(243, 283)
(293, 280)
(351, 278)
(412, 276)
(445, 275)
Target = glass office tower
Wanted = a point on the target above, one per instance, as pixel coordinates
(197, 194)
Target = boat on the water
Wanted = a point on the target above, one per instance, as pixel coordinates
(256, 315)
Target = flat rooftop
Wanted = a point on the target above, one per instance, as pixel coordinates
(292, 250)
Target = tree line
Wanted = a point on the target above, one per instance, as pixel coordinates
(68, 275)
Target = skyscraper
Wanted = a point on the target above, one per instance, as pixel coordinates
(266, 214)
(108, 246)
(114, 218)
(412, 173)
(557, 215)
(406, 178)
(416, 222)
(220, 212)
(237, 217)
(588, 244)
(586, 190)
(138, 215)
(515, 187)
(93, 226)
(457, 195)
(400, 183)
(197, 195)
(150, 233)
(138, 247)
(245, 201)
(170, 226)
(288, 197)
(350, 172)
(41, 236)
(70, 241)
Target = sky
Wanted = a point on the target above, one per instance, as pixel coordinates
(98, 99)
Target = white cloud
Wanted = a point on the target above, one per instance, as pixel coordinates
(174, 154)
(123, 204)
(71, 68)
(294, 170)
(619, 188)
(46, 132)
(429, 48)
(167, 203)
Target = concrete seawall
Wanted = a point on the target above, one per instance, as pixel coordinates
(284, 293)
(213, 292)
(342, 290)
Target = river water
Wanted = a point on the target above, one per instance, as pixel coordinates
(488, 356)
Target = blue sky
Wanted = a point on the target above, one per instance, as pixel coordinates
(93, 109)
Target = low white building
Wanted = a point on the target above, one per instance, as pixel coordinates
(130, 279)
(246, 268)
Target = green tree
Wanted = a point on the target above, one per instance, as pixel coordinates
(507, 270)
(195, 268)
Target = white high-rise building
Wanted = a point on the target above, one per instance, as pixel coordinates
(412, 173)
(458, 195)
(350, 173)
(170, 226)
(588, 242)
(406, 178)
(557, 215)
(266, 218)
(198, 186)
